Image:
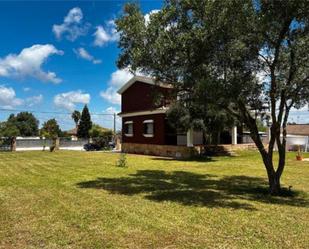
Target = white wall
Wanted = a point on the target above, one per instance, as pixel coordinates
(294, 140)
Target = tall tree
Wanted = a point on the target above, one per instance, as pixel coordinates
(239, 56)
(8, 130)
(99, 131)
(76, 117)
(51, 129)
(25, 122)
(85, 124)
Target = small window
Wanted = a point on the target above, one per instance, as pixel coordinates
(148, 128)
(128, 128)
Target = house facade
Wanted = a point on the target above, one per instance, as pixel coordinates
(297, 135)
(145, 128)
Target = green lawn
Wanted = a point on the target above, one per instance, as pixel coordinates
(81, 200)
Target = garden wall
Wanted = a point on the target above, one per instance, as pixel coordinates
(28, 144)
(183, 151)
(161, 150)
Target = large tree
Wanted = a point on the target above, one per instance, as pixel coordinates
(248, 58)
(25, 122)
(100, 135)
(85, 124)
(51, 129)
(99, 131)
(8, 130)
(8, 134)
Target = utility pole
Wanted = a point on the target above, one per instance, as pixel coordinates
(115, 123)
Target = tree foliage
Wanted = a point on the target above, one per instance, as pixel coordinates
(25, 123)
(51, 129)
(239, 57)
(8, 130)
(99, 131)
(85, 124)
(76, 117)
(101, 136)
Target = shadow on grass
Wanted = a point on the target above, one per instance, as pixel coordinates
(191, 159)
(193, 189)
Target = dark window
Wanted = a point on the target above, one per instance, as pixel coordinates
(128, 128)
(148, 127)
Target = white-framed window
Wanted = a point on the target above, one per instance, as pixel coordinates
(148, 128)
(128, 128)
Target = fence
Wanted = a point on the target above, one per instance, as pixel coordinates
(33, 143)
(23, 144)
(293, 143)
(68, 143)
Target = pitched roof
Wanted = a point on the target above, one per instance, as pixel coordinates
(72, 132)
(162, 109)
(298, 129)
(143, 79)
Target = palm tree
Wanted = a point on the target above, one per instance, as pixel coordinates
(76, 117)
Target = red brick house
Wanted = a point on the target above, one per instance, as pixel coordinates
(145, 129)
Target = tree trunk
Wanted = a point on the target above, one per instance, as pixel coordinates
(274, 184)
(267, 156)
(273, 176)
(13, 144)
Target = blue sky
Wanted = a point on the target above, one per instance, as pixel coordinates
(56, 56)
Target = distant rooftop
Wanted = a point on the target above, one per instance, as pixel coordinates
(298, 129)
(72, 131)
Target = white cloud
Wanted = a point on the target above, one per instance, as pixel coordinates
(69, 100)
(75, 15)
(8, 98)
(105, 34)
(26, 89)
(72, 25)
(101, 36)
(111, 95)
(147, 16)
(107, 121)
(120, 77)
(111, 110)
(28, 63)
(108, 32)
(116, 81)
(300, 116)
(34, 100)
(83, 53)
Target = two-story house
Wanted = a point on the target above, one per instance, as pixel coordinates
(145, 128)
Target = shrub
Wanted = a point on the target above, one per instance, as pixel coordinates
(122, 161)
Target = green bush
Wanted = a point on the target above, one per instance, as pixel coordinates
(122, 161)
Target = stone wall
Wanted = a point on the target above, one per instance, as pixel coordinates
(161, 150)
(228, 149)
(183, 151)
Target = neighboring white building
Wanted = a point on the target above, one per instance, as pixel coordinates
(298, 135)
